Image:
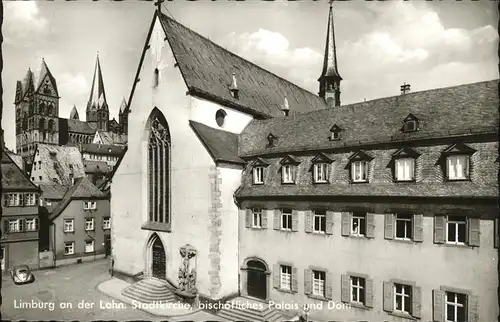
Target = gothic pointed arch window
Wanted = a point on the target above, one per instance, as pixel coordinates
(42, 108)
(41, 124)
(159, 144)
(51, 125)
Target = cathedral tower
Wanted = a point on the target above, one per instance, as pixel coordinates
(97, 107)
(123, 117)
(329, 81)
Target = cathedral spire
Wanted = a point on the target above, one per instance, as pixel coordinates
(74, 114)
(97, 99)
(329, 81)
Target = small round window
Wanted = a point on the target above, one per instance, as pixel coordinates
(220, 117)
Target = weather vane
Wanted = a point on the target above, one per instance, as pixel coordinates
(158, 4)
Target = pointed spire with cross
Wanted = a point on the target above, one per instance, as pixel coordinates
(158, 5)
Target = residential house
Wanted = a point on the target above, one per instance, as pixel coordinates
(56, 164)
(102, 152)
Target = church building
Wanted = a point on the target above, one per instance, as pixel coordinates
(236, 183)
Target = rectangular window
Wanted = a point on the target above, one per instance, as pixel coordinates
(405, 169)
(358, 289)
(258, 175)
(86, 205)
(286, 277)
(257, 218)
(287, 173)
(93, 205)
(319, 221)
(359, 171)
(456, 307)
(319, 279)
(456, 230)
(286, 219)
(106, 223)
(30, 199)
(69, 225)
(14, 225)
(358, 224)
(14, 200)
(31, 224)
(69, 248)
(320, 172)
(89, 224)
(458, 167)
(404, 226)
(402, 298)
(89, 246)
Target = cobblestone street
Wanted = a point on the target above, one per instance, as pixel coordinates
(70, 293)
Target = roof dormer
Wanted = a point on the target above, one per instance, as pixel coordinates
(410, 123)
(336, 133)
(271, 140)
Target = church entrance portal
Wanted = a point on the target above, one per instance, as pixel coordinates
(159, 259)
(256, 279)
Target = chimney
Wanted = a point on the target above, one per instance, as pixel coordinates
(405, 89)
(285, 108)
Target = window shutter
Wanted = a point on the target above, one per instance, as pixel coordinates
(295, 220)
(496, 241)
(5, 227)
(472, 308)
(416, 298)
(5, 200)
(307, 281)
(370, 225)
(439, 229)
(474, 232)
(308, 221)
(276, 276)
(277, 219)
(329, 222)
(37, 197)
(329, 286)
(295, 285)
(21, 199)
(418, 229)
(248, 218)
(369, 292)
(438, 305)
(389, 226)
(450, 168)
(294, 170)
(388, 297)
(345, 290)
(264, 218)
(21, 224)
(346, 223)
(36, 224)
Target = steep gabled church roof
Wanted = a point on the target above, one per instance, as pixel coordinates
(443, 112)
(97, 99)
(74, 114)
(207, 69)
(45, 72)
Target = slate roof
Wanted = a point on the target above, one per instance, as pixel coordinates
(92, 166)
(441, 112)
(111, 138)
(64, 156)
(44, 71)
(207, 69)
(74, 114)
(53, 190)
(457, 189)
(82, 188)
(18, 160)
(221, 145)
(104, 149)
(13, 178)
(97, 99)
(80, 127)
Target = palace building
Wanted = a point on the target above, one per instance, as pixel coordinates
(238, 185)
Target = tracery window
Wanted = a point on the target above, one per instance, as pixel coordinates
(159, 170)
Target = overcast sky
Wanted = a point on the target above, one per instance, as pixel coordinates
(380, 45)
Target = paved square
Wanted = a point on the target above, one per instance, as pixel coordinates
(70, 293)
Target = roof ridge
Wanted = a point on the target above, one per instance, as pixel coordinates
(239, 57)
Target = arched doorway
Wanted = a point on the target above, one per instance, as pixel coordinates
(159, 261)
(256, 279)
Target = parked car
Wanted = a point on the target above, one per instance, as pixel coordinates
(21, 274)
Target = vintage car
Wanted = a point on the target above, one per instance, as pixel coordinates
(21, 274)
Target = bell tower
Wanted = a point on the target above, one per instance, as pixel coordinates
(329, 81)
(97, 112)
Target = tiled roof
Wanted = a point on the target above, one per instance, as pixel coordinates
(104, 149)
(53, 190)
(222, 145)
(78, 126)
(17, 159)
(59, 162)
(441, 112)
(207, 69)
(82, 188)
(13, 177)
(92, 166)
(111, 138)
(457, 189)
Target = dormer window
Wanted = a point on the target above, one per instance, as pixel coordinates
(271, 140)
(458, 162)
(404, 164)
(288, 169)
(335, 133)
(410, 123)
(258, 167)
(359, 166)
(321, 164)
